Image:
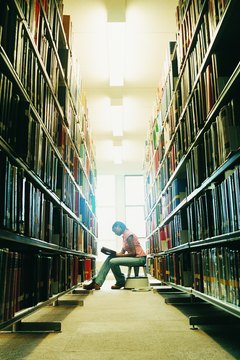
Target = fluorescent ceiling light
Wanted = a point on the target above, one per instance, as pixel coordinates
(117, 154)
(116, 117)
(116, 37)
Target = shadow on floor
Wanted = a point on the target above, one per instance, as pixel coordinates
(26, 342)
(223, 327)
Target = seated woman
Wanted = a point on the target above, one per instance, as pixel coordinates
(132, 254)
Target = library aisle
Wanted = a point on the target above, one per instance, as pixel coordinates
(121, 324)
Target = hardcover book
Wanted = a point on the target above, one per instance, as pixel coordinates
(107, 251)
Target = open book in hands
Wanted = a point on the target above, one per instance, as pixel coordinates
(107, 251)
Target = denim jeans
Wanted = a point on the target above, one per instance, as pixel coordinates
(114, 264)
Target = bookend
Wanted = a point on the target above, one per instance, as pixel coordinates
(36, 327)
(77, 292)
(42, 327)
(207, 314)
(180, 299)
(165, 289)
(16, 325)
(210, 319)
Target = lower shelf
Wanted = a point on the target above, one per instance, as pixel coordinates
(16, 325)
(230, 308)
(36, 327)
(212, 320)
(200, 308)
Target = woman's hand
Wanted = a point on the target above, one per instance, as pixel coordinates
(120, 254)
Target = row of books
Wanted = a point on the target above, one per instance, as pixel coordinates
(25, 209)
(177, 230)
(40, 17)
(25, 135)
(157, 144)
(212, 150)
(153, 209)
(48, 55)
(188, 17)
(195, 168)
(216, 273)
(158, 176)
(40, 91)
(186, 22)
(165, 96)
(170, 71)
(167, 202)
(71, 196)
(33, 66)
(200, 95)
(69, 97)
(72, 97)
(170, 235)
(158, 241)
(20, 129)
(222, 139)
(216, 211)
(212, 271)
(166, 158)
(215, 76)
(210, 82)
(220, 273)
(75, 142)
(193, 64)
(198, 52)
(154, 218)
(149, 192)
(77, 161)
(69, 234)
(16, 112)
(49, 275)
(73, 101)
(35, 10)
(219, 142)
(203, 95)
(174, 268)
(204, 135)
(205, 92)
(31, 111)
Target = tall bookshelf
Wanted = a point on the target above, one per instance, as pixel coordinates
(48, 225)
(192, 166)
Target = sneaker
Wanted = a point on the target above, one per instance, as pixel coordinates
(116, 287)
(91, 286)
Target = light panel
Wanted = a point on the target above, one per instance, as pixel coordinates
(116, 117)
(117, 154)
(116, 47)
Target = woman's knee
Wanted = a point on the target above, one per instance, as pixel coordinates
(112, 261)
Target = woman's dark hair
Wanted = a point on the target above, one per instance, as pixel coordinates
(120, 224)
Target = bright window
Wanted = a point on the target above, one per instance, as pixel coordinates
(105, 198)
(105, 192)
(134, 204)
(134, 190)
(135, 220)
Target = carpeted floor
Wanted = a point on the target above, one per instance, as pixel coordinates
(122, 325)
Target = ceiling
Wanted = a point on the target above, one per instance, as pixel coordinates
(149, 26)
